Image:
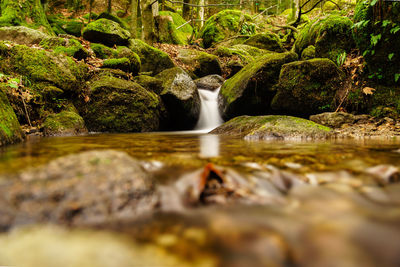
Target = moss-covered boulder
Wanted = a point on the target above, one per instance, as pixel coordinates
(117, 63)
(181, 98)
(250, 91)
(152, 59)
(272, 127)
(106, 15)
(307, 87)
(106, 32)
(118, 105)
(225, 24)
(199, 63)
(151, 83)
(64, 123)
(69, 47)
(102, 51)
(331, 36)
(21, 35)
(10, 130)
(268, 41)
(246, 53)
(169, 30)
(74, 27)
(43, 66)
(308, 53)
(134, 59)
(377, 35)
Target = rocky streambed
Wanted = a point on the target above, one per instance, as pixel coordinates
(199, 200)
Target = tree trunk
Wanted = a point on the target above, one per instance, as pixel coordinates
(186, 10)
(134, 18)
(109, 6)
(200, 14)
(148, 34)
(28, 13)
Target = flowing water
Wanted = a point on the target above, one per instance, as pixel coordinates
(209, 113)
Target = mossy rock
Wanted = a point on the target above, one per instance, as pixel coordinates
(117, 63)
(22, 35)
(74, 27)
(378, 38)
(10, 130)
(250, 91)
(69, 47)
(268, 41)
(93, 16)
(246, 53)
(102, 51)
(168, 22)
(308, 53)
(200, 63)
(118, 105)
(272, 127)
(225, 24)
(134, 59)
(43, 66)
(150, 83)
(331, 36)
(307, 87)
(107, 32)
(106, 15)
(64, 123)
(181, 98)
(152, 59)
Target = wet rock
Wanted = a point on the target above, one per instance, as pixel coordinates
(272, 127)
(152, 59)
(78, 189)
(307, 87)
(21, 35)
(385, 174)
(118, 105)
(210, 82)
(200, 63)
(250, 91)
(181, 98)
(63, 124)
(106, 32)
(10, 130)
(333, 119)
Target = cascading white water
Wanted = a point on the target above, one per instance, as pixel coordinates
(209, 113)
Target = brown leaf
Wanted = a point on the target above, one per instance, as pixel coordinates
(368, 90)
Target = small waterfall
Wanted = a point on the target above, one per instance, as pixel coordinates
(209, 113)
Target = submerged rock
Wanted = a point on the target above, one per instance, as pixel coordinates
(250, 91)
(78, 189)
(10, 130)
(64, 123)
(272, 127)
(106, 32)
(307, 87)
(152, 59)
(200, 63)
(117, 105)
(210, 82)
(181, 98)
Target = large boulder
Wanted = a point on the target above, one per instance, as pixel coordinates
(181, 98)
(378, 38)
(63, 124)
(250, 91)
(331, 36)
(200, 63)
(268, 41)
(272, 127)
(21, 35)
(210, 82)
(70, 47)
(170, 29)
(106, 32)
(10, 130)
(307, 87)
(152, 59)
(42, 66)
(78, 189)
(225, 24)
(117, 105)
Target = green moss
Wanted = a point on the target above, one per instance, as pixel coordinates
(117, 63)
(200, 63)
(103, 51)
(74, 27)
(106, 32)
(106, 15)
(268, 41)
(331, 37)
(308, 53)
(150, 83)
(168, 22)
(225, 24)
(92, 16)
(69, 47)
(10, 130)
(65, 122)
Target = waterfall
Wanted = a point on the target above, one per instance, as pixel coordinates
(209, 113)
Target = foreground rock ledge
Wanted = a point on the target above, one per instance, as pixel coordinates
(271, 127)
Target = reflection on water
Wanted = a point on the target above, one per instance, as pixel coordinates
(209, 146)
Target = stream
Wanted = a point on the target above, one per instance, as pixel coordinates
(213, 201)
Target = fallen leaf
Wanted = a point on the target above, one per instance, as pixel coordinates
(368, 90)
